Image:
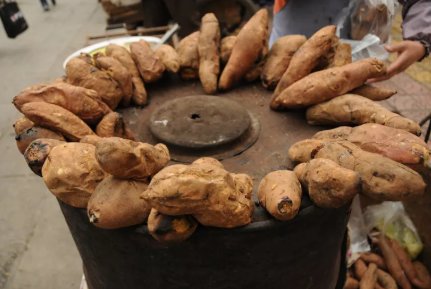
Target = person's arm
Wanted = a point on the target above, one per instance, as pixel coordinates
(416, 34)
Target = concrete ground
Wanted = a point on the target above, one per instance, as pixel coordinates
(36, 249)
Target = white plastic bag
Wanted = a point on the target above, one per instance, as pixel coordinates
(391, 219)
(357, 233)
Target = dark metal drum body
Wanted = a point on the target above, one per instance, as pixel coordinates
(304, 253)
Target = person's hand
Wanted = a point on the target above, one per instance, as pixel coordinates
(408, 53)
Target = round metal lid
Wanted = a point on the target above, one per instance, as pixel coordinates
(199, 121)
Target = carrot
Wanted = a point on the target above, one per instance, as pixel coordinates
(351, 283)
(369, 280)
(405, 261)
(369, 257)
(423, 275)
(386, 280)
(359, 268)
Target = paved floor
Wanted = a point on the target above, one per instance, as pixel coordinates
(36, 250)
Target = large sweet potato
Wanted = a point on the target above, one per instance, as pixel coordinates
(169, 57)
(56, 118)
(373, 92)
(355, 109)
(226, 47)
(24, 139)
(149, 65)
(189, 56)
(250, 42)
(323, 85)
(22, 124)
(37, 152)
(113, 125)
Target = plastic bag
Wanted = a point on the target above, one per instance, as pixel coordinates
(369, 46)
(357, 233)
(391, 219)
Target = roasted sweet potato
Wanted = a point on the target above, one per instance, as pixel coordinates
(205, 190)
(396, 144)
(120, 53)
(307, 57)
(329, 185)
(56, 118)
(113, 125)
(189, 56)
(226, 47)
(24, 139)
(170, 229)
(81, 72)
(169, 57)
(208, 48)
(149, 65)
(279, 58)
(373, 92)
(323, 85)
(119, 73)
(355, 109)
(115, 203)
(83, 102)
(280, 194)
(250, 42)
(71, 172)
(128, 159)
(381, 177)
(22, 124)
(37, 152)
(90, 139)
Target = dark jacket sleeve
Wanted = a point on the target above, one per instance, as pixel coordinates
(417, 20)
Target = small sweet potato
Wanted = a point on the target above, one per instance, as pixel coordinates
(83, 102)
(22, 124)
(250, 42)
(226, 47)
(208, 48)
(373, 92)
(279, 58)
(115, 204)
(329, 185)
(128, 159)
(342, 55)
(170, 229)
(326, 84)
(120, 53)
(307, 57)
(359, 268)
(369, 280)
(112, 125)
(56, 118)
(169, 57)
(396, 144)
(370, 257)
(280, 194)
(149, 65)
(80, 71)
(189, 56)
(71, 172)
(24, 139)
(355, 109)
(119, 73)
(37, 152)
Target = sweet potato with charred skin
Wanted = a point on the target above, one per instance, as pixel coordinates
(226, 47)
(355, 109)
(37, 152)
(329, 185)
(22, 124)
(326, 84)
(209, 56)
(373, 92)
(169, 57)
(169, 229)
(149, 65)
(80, 71)
(24, 139)
(120, 53)
(128, 159)
(71, 172)
(189, 56)
(381, 177)
(307, 57)
(117, 72)
(113, 125)
(115, 204)
(279, 58)
(56, 118)
(250, 42)
(280, 194)
(83, 102)
(396, 144)
(205, 190)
